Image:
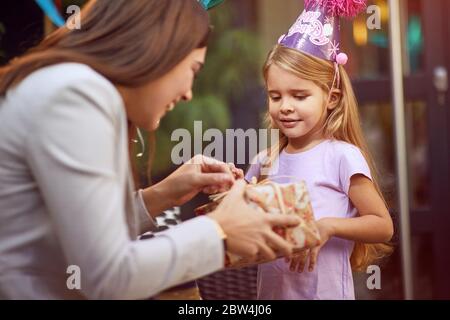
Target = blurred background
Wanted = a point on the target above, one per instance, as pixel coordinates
(229, 94)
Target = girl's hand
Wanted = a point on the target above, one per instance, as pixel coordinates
(249, 231)
(198, 174)
(298, 261)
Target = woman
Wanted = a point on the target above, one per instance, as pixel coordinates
(66, 193)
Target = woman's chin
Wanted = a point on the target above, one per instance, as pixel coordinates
(154, 123)
(154, 126)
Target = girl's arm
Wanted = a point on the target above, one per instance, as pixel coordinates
(373, 225)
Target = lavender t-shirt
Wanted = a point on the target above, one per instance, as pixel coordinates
(326, 169)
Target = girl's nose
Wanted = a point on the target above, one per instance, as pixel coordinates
(286, 108)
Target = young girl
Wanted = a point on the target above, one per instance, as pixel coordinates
(312, 103)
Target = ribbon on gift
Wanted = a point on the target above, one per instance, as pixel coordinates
(254, 182)
(218, 197)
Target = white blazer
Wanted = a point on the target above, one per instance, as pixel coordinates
(66, 198)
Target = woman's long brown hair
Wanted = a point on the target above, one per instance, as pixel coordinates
(129, 42)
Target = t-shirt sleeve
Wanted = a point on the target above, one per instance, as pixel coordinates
(254, 169)
(352, 162)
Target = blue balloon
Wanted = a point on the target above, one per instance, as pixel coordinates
(51, 11)
(208, 4)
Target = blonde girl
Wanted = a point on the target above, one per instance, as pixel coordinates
(311, 102)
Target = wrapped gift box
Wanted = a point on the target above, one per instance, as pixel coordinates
(276, 198)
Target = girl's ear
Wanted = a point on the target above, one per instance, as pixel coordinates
(335, 97)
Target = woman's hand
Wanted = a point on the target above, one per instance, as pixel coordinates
(237, 174)
(298, 261)
(198, 174)
(249, 232)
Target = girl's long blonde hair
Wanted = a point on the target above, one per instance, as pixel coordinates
(342, 123)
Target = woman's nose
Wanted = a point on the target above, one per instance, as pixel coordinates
(188, 96)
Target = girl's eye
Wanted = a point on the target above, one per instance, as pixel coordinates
(300, 97)
(275, 99)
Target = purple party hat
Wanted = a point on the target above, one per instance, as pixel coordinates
(317, 29)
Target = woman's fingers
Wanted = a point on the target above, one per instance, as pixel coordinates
(213, 165)
(266, 252)
(237, 173)
(231, 166)
(282, 220)
(245, 250)
(215, 175)
(279, 244)
(259, 250)
(217, 168)
(211, 190)
(210, 166)
(236, 192)
(216, 180)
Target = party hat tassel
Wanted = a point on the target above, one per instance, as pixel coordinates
(339, 8)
